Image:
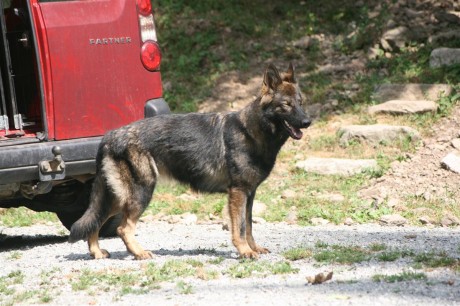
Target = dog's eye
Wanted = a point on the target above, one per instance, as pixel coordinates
(285, 106)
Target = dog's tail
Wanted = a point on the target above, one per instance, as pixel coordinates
(95, 215)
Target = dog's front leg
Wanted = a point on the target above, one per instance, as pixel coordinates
(237, 200)
(249, 237)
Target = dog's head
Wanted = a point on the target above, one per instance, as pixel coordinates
(281, 101)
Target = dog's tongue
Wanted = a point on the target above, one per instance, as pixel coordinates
(295, 133)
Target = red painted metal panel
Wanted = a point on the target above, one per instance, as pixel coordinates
(43, 54)
(99, 82)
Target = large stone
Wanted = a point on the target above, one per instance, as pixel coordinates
(393, 220)
(259, 209)
(444, 57)
(377, 133)
(396, 37)
(432, 92)
(452, 162)
(444, 36)
(336, 166)
(401, 107)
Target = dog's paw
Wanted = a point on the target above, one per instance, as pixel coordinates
(101, 254)
(144, 255)
(261, 250)
(249, 255)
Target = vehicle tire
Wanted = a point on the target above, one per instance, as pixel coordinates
(70, 201)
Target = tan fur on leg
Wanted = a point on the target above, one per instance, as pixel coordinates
(94, 249)
(126, 232)
(237, 211)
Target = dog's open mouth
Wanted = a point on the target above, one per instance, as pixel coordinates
(295, 133)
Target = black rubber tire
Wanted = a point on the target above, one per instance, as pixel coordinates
(70, 201)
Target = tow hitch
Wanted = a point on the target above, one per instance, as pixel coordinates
(54, 169)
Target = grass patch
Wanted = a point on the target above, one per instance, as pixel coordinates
(389, 256)
(184, 288)
(141, 282)
(298, 254)
(401, 277)
(20, 217)
(342, 255)
(15, 255)
(248, 268)
(435, 260)
(377, 247)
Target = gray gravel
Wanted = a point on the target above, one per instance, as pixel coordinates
(44, 248)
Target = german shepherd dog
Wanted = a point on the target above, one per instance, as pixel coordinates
(230, 152)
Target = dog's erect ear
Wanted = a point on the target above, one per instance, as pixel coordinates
(272, 78)
(289, 76)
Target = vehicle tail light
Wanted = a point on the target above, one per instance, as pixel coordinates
(151, 55)
(150, 51)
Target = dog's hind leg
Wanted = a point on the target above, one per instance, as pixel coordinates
(237, 210)
(126, 232)
(131, 214)
(249, 237)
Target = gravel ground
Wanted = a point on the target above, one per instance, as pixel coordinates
(44, 248)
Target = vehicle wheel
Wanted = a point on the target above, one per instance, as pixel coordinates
(109, 229)
(70, 201)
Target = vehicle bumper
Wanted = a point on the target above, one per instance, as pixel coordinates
(20, 163)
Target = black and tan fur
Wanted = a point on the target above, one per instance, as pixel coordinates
(217, 152)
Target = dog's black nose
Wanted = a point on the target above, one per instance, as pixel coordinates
(306, 123)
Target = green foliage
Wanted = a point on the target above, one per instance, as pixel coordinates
(342, 255)
(20, 217)
(248, 268)
(203, 40)
(435, 260)
(402, 277)
(297, 253)
(184, 288)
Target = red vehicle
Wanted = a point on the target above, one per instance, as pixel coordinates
(70, 71)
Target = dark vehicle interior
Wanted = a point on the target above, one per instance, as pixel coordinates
(20, 107)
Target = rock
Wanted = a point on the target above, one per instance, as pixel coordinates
(376, 134)
(452, 162)
(258, 220)
(319, 221)
(394, 220)
(331, 197)
(348, 221)
(401, 107)
(426, 220)
(449, 17)
(444, 36)
(396, 37)
(431, 92)
(288, 194)
(423, 211)
(444, 57)
(187, 197)
(336, 166)
(314, 110)
(456, 143)
(449, 220)
(393, 202)
(172, 219)
(189, 219)
(259, 209)
(292, 215)
(304, 42)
